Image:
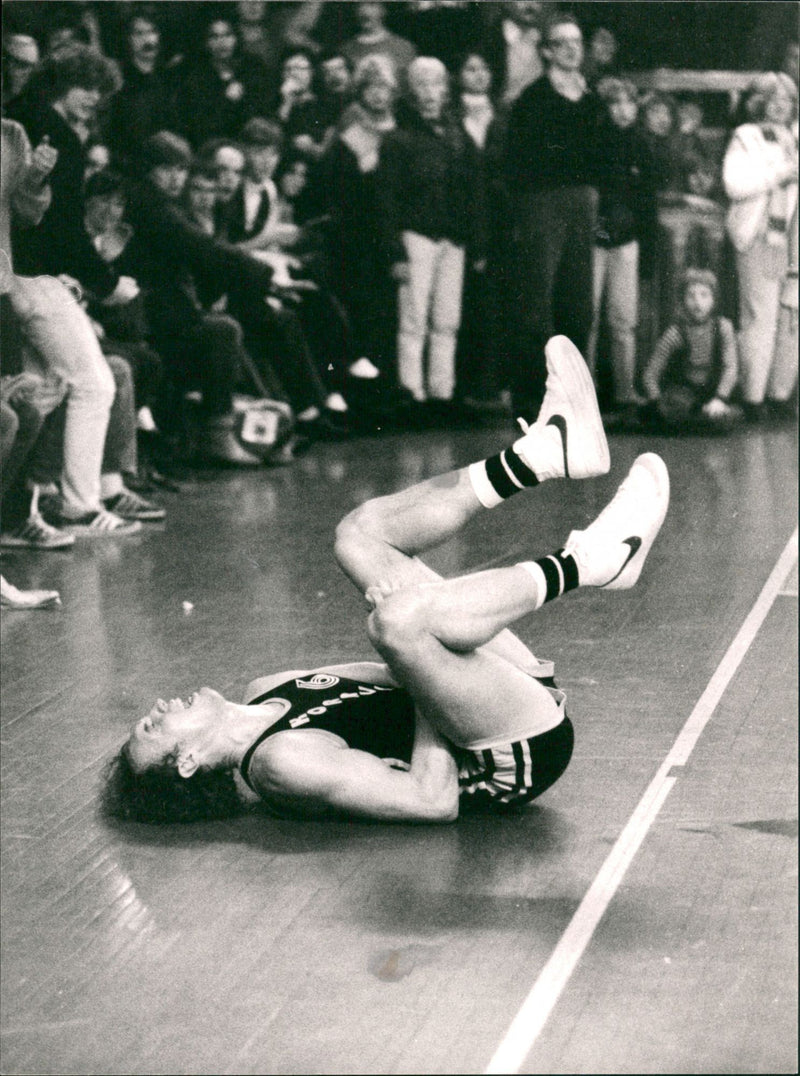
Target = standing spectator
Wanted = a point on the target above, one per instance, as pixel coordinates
(336, 88)
(551, 162)
(221, 87)
(426, 184)
(482, 358)
(298, 109)
(626, 234)
(601, 56)
(73, 83)
(345, 186)
(144, 104)
(513, 50)
(373, 37)
(692, 371)
(760, 177)
(659, 116)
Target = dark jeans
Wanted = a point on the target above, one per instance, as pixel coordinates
(553, 287)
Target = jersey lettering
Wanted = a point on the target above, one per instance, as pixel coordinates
(303, 719)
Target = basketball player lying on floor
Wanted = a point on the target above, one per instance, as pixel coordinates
(461, 709)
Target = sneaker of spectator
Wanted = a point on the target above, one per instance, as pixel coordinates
(13, 598)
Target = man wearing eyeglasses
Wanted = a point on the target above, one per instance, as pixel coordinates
(551, 174)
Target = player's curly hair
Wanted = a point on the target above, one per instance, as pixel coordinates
(160, 795)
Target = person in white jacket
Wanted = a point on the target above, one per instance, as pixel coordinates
(760, 177)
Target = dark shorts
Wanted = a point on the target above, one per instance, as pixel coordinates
(513, 774)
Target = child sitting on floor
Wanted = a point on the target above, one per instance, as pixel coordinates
(694, 366)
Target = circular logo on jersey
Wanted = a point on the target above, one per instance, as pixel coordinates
(318, 682)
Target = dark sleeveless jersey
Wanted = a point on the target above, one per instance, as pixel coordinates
(368, 717)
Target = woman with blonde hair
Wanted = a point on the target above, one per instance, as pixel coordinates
(760, 177)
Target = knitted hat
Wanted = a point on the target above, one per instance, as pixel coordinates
(165, 148)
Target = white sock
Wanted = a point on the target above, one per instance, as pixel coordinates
(110, 485)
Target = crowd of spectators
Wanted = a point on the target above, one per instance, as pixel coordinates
(239, 228)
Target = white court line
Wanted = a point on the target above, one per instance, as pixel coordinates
(554, 976)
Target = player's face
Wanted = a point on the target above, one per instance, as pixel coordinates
(376, 96)
(173, 726)
(699, 302)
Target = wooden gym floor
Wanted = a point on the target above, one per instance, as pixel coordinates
(641, 918)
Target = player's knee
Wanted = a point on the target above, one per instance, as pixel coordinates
(397, 624)
(352, 532)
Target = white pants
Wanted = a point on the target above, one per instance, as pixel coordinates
(616, 289)
(61, 340)
(767, 358)
(430, 309)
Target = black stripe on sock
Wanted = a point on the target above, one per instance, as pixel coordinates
(498, 476)
(569, 568)
(552, 578)
(520, 469)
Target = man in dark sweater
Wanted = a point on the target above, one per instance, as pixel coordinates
(551, 175)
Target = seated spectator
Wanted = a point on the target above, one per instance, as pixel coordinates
(220, 87)
(145, 103)
(426, 189)
(122, 329)
(373, 37)
(26, 399)
(693, 369)
(626, 234)
(203, 349)
(252, 213)
(22, 412)
(56, 339)
(229, 163)
(760, 176)
(97, 157)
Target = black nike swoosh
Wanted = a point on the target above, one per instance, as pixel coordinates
(635, 545)
(560, 424)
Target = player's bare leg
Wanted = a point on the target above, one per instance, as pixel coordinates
(433, 635)
(376, 543)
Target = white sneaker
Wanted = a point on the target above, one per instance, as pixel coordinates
(612, 550)
(570, 408)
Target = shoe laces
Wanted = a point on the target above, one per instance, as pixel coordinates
(524, 426)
